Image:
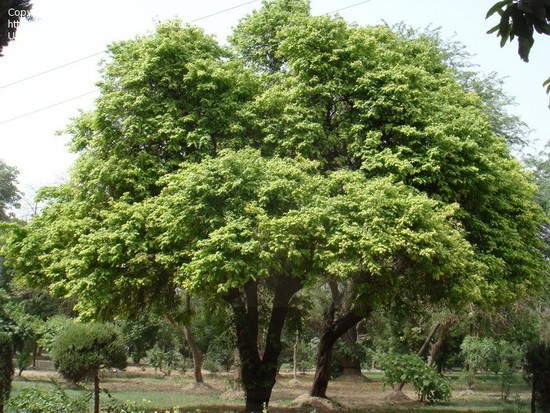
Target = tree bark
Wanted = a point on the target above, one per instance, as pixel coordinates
(333, 329)
(96, 391)
(295, 355)
(195, 351)
(259, 372)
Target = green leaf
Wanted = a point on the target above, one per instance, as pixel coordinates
(497, 7)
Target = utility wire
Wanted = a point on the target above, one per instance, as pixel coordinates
(223, 11)
(52, 69)
(47, 107)
(347, 7)
(87, 57)
(104, 51)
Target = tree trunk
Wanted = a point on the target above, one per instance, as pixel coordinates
(351, 365)
(259, 372)
(96, 391)
(333, 329)
(195, 351)
(439, 343)
(295, 355)
(399, 386)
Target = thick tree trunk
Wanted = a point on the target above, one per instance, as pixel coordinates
(259, 372)
(96, 392)
(334, 329)
(195, 351)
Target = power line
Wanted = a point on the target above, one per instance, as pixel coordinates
(348, 7)
(223, 11)
(52, 69)
(87, 57)
(104, 51)
(48, 107)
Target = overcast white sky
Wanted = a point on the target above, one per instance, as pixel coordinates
(67, 30)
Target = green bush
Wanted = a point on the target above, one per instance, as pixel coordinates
(82, 349)
(39, 400)
(409, 368)
(164, 360)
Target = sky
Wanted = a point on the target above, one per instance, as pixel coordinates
(64, 31)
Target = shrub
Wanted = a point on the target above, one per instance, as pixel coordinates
(39, 400)
(164, 360)
(409, 368)
(83, 349)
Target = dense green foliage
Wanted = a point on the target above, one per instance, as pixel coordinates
(39, 400)
(409, 368)
(9, 194)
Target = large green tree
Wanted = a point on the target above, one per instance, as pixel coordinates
(410, 193)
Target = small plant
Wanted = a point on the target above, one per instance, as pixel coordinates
(409, 368)
(165, 361)
(24, 356)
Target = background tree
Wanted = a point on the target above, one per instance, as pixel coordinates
(9, 194)
(82, 350)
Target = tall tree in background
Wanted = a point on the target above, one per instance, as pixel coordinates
(11, 12)
(9, 194)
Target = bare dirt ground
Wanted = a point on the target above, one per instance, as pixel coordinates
(345, 393)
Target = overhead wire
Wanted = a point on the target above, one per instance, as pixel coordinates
(104, 51)
(48, 107)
